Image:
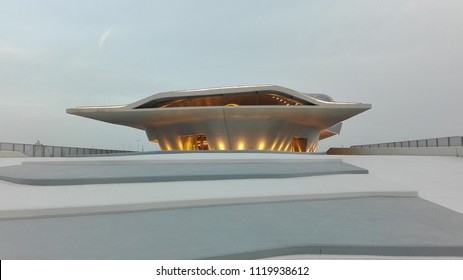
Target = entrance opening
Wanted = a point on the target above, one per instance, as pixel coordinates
(299, 144)
(194, 142)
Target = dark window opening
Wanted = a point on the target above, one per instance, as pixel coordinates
(237, 99)
(299, 144)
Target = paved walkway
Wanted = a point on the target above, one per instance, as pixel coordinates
(140, 171)
(356, 226)
(381, 213)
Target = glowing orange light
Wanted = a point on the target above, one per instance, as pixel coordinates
(221, 146)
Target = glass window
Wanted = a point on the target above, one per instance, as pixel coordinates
(194, 142)
(241, 99)
(237, 99)
(214, 100)
(278, 99)
(299, 144)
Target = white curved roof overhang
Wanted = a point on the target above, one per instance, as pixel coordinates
(316, 116)
(217, 91)
(321, 114)
(225, 91)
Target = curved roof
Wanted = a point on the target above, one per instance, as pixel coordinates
(320, 96)
(313, 99)
(320, 112)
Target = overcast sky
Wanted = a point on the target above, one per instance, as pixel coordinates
(403, 57)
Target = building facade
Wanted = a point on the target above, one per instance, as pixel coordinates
(261, 117)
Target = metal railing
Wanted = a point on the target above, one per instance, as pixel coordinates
(40, 150)
(452, 141)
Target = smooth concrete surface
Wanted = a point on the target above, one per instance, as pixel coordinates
(410, 151)
(23, 201)
(37, 201)
(387, 174)
(110, 172)
(157, 205)
(372, 226)
(437, 179)
(240, 218)
(12, 154)
(354, 257)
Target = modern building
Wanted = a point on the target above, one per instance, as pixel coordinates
(263, 117)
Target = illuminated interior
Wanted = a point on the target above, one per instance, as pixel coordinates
(238, 99)
(299, 144)
(194, 142)
(200, 142)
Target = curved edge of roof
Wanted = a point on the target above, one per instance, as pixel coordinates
(225, 90)
(215, 91)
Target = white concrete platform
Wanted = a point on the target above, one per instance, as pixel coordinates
(386, 226)
(34, 201)
(426, 189)
(62, 173)
(437, 179)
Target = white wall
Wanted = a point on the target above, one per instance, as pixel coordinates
(429, 151)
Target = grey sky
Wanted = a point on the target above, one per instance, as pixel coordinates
(404, 57)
